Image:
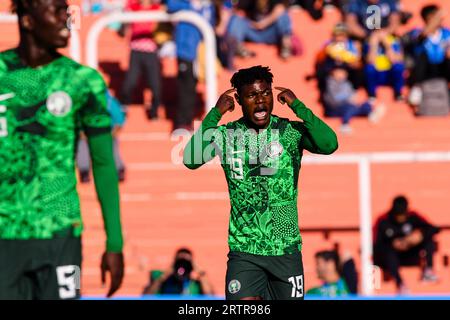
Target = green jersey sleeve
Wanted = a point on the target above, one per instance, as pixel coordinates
(95, 118)
(106, 185)
(317, 136)
(202, 146)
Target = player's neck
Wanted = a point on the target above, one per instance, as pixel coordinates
(333, 278)
(32, 54)
(251, 125)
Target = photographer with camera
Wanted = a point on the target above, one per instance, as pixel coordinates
(183, 277)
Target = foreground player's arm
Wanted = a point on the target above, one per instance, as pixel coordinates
(317, 137)
(200, 148)
(106, 186)
(96, 122)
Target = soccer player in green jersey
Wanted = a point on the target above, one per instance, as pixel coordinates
(261, 155)
(46, 99)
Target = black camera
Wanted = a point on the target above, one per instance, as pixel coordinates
(183, 268)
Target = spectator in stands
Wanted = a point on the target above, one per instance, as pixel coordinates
(340, 100)
(118, 118)
(187, 39)
(143, 58)
(356, 16)
(403, 237)
(183, 277)
(226, 45)
(384, 63)
(431, 50)
(343, 51)
(313, 7)
(265, 21)
(332, 273)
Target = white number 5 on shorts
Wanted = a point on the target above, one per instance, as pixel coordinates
(68, 281)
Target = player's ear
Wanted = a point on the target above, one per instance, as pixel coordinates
(26, 22)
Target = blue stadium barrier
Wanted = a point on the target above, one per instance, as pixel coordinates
(308, 297)
(157, 297)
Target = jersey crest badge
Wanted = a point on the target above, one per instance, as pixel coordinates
(59, 103)
(274, 149)
(234, 286)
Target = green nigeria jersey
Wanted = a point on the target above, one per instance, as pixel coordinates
(42, 111)
(262, 170)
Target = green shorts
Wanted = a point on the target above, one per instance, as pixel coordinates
(40, 269)
(267, 277)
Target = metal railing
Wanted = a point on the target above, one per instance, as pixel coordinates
(185, 16)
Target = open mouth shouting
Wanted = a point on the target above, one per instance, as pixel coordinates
(261, 114)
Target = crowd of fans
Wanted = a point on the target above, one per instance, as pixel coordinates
(360, 54)
(364, 51)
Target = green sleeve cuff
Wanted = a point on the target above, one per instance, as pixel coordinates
(107, 188)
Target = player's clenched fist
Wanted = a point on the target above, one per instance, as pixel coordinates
(286, 96)
(226, 101)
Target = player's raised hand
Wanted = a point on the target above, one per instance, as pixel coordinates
(226, 101)
(112, 262)
(285, 96)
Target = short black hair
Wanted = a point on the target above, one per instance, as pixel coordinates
(250, 75)
(427, 10)
(399, 205)
(184, 250)
(332, 255)
(21, 7)
(337, 66)
(18, 6)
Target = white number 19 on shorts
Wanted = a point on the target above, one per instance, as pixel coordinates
(297, 286)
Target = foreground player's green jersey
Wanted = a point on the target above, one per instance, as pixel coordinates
(262, 170)
(42, 111)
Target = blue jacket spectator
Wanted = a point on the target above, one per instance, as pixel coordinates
(434, 46)
(187, 39)
(187, 36)
(431, 47)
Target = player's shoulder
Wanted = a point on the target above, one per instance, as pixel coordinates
(284, 124)
(86, 73)
(7, 57)
(90, 77)
(383, 220)
(233, 125)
